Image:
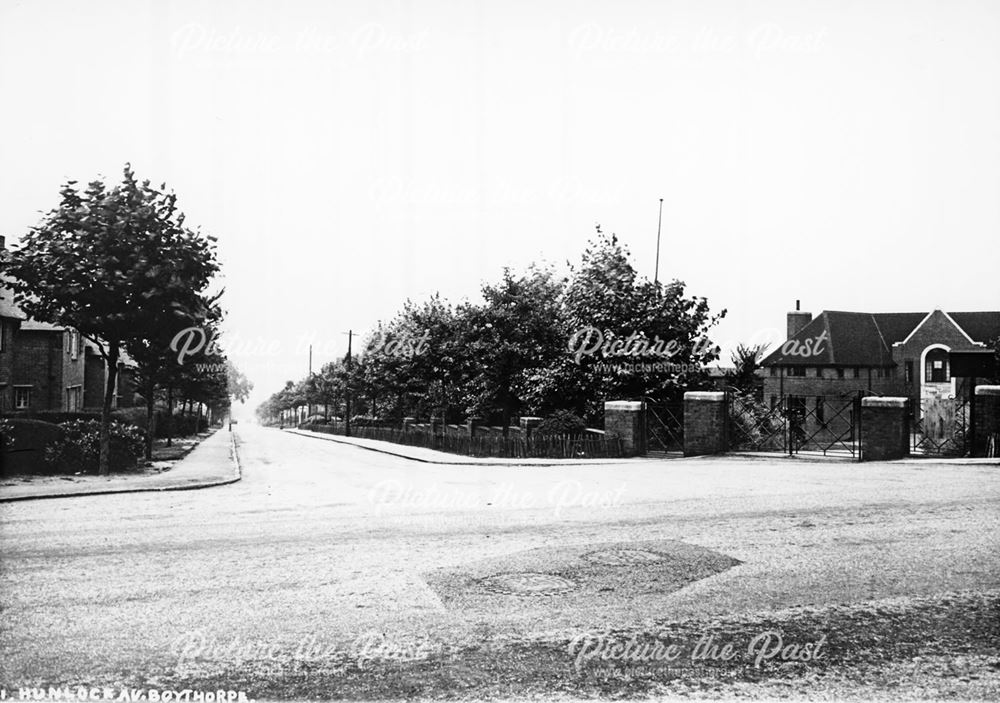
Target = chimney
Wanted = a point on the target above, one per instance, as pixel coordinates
(797, 320)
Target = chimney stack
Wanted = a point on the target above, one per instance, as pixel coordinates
(797, 319)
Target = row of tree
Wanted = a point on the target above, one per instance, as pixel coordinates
(517, 351)
(119, 265)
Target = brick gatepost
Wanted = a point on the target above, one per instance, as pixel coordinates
(704, 423)
(885, 428)
(987, 400)
(528, 425)
(625, 418)
(474, 423)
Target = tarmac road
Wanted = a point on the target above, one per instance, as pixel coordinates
(321, 544)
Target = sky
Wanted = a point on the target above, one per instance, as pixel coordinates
(350, 155)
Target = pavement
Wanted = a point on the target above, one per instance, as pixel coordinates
(214, 462)
(323, 545)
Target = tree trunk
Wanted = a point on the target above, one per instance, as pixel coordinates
(150, 424)
(170, 416)
(104, 466)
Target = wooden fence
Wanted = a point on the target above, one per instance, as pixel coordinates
(515, 446)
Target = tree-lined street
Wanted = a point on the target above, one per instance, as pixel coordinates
(328, 544)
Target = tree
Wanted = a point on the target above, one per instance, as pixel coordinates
(115, 263)
(239, 386)
(514, 331)
(746, 360)
(606, 300)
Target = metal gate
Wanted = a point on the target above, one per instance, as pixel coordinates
(664, 427)
(820, 425)
(941, 428)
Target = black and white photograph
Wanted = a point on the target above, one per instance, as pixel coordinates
(457, 350)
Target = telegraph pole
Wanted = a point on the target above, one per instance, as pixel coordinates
(659, 224)
(347, 418)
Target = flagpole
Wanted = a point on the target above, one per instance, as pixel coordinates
(659, 224)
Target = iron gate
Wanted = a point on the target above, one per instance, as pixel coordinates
(664, 426)
(942, 428)
(795, 424)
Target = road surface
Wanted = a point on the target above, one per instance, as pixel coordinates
(323, 545)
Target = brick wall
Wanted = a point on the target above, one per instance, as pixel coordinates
(626, 419)
(93, 387)
(8, 329)
(937, 329)
(38, 363)
(885, 430)
(704, 423)
(829, 383)
(987, 440)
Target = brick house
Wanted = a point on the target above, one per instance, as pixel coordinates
(49, 367)
(838, 354)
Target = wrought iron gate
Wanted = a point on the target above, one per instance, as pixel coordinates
(664, 426)
(941, 428)
(795, 424)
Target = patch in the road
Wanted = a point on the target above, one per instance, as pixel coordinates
(631, 575)
(623, 557)
(528, 584)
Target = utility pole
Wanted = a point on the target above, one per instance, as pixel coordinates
(347, 418)
(309, 386)
(659, 224)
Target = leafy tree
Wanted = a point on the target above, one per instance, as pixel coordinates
(606, 299)
(511, 333)
(115, 263)
(239, 386)
(746, 361)
(510, 354)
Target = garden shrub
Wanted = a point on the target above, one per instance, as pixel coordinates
(79, 449)
(562, 422)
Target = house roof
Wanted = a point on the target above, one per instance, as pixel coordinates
(7, 306)
(31, 325)
(980, 326)
(838, 338)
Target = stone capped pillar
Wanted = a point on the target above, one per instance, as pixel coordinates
(885, 428)
(987, 421)
(704, 423)
(625, 418)
(528, 425)
(474, 423)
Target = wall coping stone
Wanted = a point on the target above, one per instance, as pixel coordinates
(634, 405)
(877, 402)
(987, 390)
(709, 396)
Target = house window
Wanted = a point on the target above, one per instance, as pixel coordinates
(820, 410)
(908, 372)
(774, 370)
(840, 373)
(774, 401)
(22, 398)
(937, 366)
(796, 370)
(74, 344)
(857, 372)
